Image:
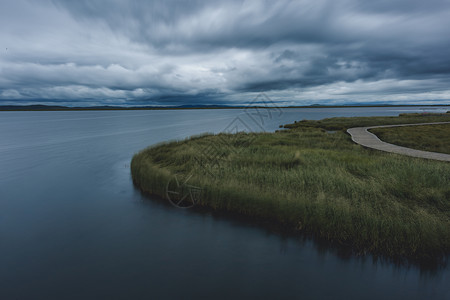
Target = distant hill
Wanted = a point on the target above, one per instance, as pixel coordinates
(40, 107)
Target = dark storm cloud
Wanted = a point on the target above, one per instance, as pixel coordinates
(173, 52)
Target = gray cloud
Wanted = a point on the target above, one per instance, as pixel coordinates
(198, 52)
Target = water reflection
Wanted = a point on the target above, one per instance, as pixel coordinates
(72, 225)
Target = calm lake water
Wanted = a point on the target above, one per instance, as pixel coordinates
(72, 225)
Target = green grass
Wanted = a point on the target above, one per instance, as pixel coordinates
(314, 182)
(434, 138)
(343, 123)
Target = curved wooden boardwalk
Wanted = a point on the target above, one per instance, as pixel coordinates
(362, 136)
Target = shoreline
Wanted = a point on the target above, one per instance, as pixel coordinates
(356, 206)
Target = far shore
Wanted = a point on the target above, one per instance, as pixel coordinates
(96, 108)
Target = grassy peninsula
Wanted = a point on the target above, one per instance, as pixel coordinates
(316, 182)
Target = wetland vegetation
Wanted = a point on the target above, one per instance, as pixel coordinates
(315, 182)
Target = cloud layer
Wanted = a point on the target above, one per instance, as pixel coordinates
(224, 52)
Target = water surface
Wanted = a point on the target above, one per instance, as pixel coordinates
(72, 226)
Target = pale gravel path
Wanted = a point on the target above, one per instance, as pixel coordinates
(363, 137)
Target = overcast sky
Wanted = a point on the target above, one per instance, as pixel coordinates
(117, 52)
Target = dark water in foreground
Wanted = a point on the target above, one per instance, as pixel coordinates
(72, 226)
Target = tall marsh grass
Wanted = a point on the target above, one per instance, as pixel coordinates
(316, 182)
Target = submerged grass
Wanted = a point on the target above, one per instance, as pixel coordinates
(315, 182)
(434, 138)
